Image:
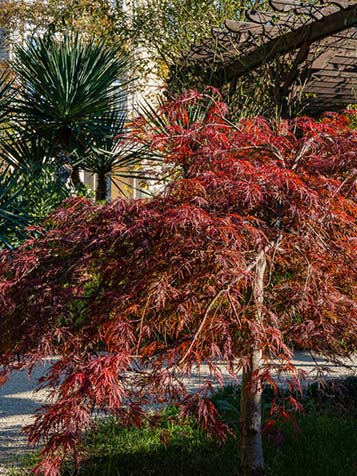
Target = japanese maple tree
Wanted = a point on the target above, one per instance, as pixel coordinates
(248, 252)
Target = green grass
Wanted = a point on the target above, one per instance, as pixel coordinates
(172, 448)
(326, 444)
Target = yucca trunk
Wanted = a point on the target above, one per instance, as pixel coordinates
(75, 177)
(251, 447)
(101, 192)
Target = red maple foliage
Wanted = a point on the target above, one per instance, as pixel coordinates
(250, 251)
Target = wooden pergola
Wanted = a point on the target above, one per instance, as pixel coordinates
(310, 47)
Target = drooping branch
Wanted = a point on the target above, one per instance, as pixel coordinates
(261, 256)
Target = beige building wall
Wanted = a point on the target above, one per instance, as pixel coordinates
(144, 90)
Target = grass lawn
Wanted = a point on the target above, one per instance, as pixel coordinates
(326, 444)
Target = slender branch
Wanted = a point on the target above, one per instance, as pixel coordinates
(269, 148)
(234, 309)
(141, 326)
(304, 149)
(205, 317)
(249, 268)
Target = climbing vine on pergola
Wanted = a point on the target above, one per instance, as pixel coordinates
(309, 50)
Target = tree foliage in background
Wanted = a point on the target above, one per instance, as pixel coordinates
(163, 33)
(155, 33)
(163, 30)
(90, 17)
(248, 253)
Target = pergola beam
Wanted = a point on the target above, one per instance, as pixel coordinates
(289, 42)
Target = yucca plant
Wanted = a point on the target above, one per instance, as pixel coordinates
(23, 150)
(33, 181)
(64, 87)
(65, 111)
(111, 156)
(13, 218)
(6, 93)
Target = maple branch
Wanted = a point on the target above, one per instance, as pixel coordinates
(199, 330)
(249, 268)
(233, 307)
(308, 274)
(277, 243)
(304, 149)
(141, 326)
(269, 148)
(351, 178)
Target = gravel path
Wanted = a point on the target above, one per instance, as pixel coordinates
(18, 402)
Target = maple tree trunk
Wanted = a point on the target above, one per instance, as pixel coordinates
(101, 190)
(251, 447)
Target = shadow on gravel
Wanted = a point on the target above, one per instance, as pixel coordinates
(17, 396)
(12, 445)
(18, 403)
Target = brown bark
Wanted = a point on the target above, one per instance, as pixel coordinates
(75, 177)
(251, 447)
(101, 192)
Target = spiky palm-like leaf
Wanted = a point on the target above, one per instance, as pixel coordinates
(33, 182)
(195, 110)
(110, 153)
(65, 85)
(25, 151)
(13, 219)
(6, 94)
